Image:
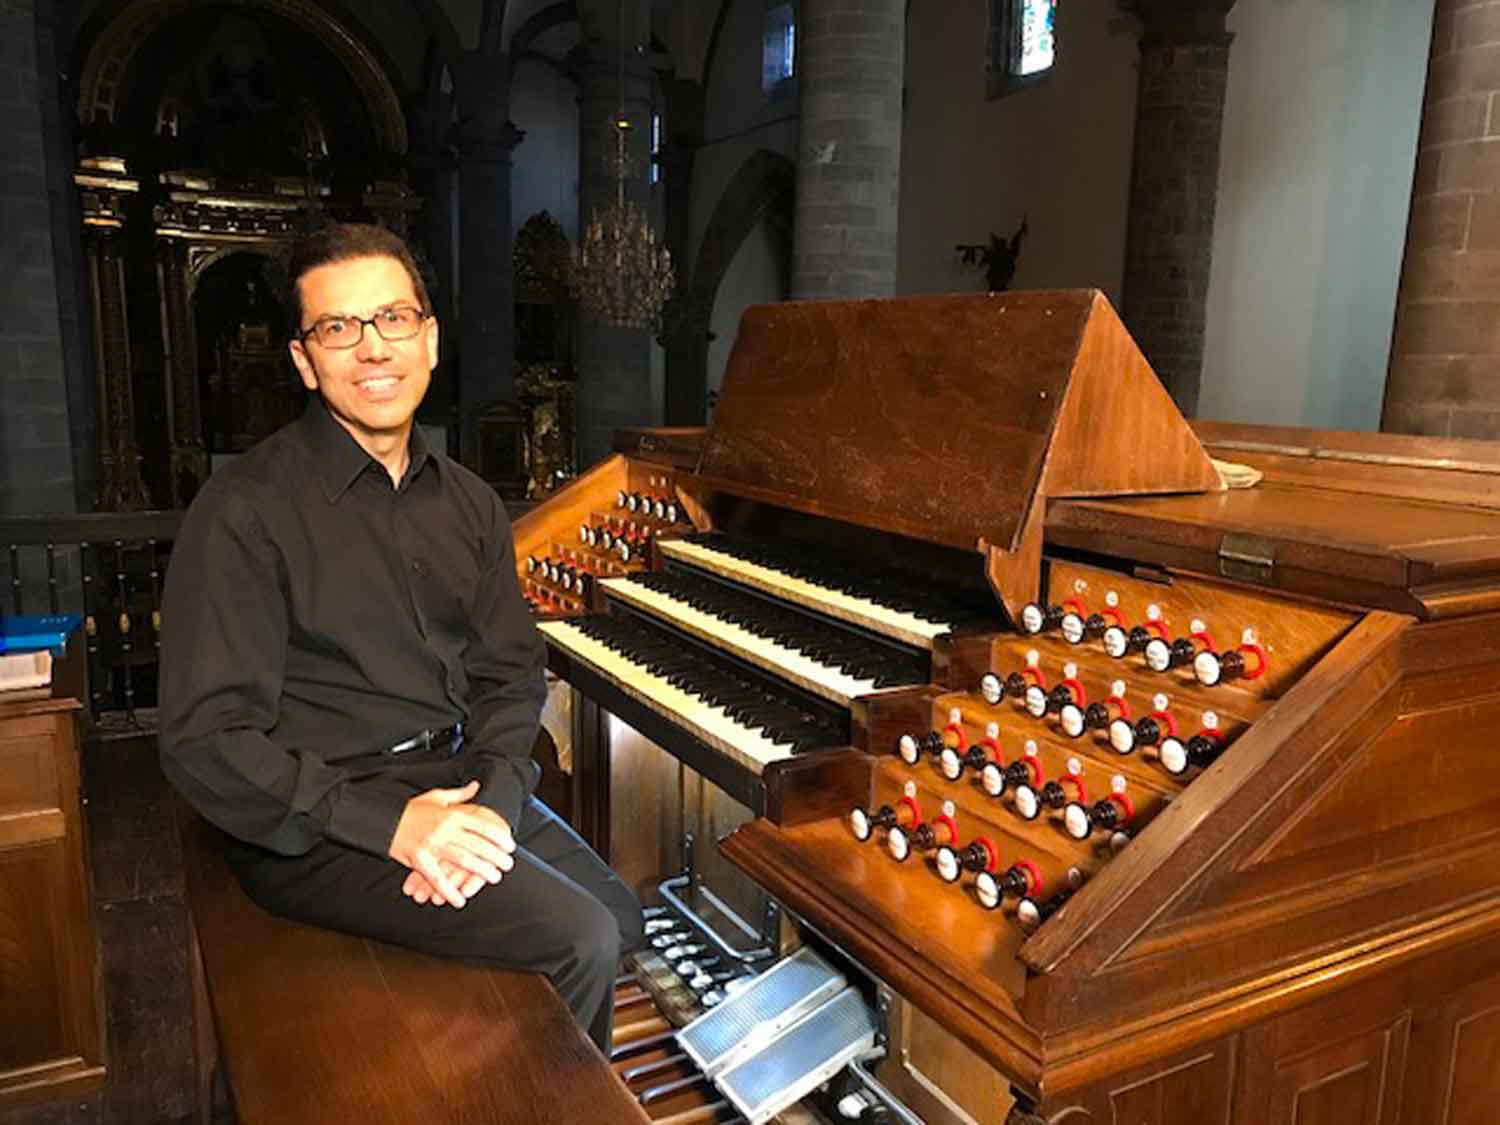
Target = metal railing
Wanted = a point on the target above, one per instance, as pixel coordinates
(108, 567)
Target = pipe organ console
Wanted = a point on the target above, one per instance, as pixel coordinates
(1088, 789)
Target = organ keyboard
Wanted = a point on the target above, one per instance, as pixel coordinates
(1128, 797)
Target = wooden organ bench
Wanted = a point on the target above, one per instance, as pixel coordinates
(313, 1026)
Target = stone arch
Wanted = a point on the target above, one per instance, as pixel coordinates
(764, 188)
(108, 59)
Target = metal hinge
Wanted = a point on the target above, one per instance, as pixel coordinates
(1247, 558)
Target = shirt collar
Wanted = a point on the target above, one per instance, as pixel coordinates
(339, 459)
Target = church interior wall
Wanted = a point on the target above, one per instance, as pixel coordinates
(1056, 154)
(738, 117)
(753, 277)
(544, 176)
(36, 460)
(1319, 146)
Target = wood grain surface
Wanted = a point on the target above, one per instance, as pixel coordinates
(317, 1026)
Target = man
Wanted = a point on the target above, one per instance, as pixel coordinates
(350, 680)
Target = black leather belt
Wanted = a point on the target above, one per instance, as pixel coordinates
(449, 740)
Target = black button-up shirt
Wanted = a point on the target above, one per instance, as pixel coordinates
(314, 614)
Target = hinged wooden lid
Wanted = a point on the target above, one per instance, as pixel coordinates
(1378, 520)
(947, 418)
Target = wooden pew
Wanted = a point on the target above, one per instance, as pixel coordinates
(311, 1026)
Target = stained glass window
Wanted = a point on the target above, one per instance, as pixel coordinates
(779, 47)
(1037, 42)
(1022, 43)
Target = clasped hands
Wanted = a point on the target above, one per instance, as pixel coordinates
(454, 847)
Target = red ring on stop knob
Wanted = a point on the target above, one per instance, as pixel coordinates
(1125, 806)
(1037, 677)
(1208, 641)
(1081, 794)
(1261, 660)
(916, 810)
(1120, 705)
(1158, 626)
(1080, 696)
(1168, 720)
(1033, 874)
(958, 732)
(992, 859)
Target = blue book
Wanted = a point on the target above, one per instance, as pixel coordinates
(32, 632)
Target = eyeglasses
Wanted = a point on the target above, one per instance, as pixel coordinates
(399, 322)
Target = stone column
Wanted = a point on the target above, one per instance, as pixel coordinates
(1444, 375)
(486, 297)
(686, 340)
(850, 58)
(36, 460)
(1174, 185)
(614, 364)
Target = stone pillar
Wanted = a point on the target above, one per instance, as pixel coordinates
(850, 58)
(686, 339)
(36, 459)
(1444, 374)
(486, 297)
(1174, 185)
(614, 364)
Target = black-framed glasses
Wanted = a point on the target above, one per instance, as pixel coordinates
(398, 322)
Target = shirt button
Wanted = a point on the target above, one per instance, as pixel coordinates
(417, 568)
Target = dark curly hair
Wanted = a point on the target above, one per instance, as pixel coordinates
(338, 242)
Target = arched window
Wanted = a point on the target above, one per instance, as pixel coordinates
(778, 49)
(1022, 43)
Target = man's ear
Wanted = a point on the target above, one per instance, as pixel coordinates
(303, 362)
(430, 335)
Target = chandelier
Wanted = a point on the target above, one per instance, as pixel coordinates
(622, 273)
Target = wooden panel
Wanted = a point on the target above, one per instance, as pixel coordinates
(1455, 1059)
(645, 807)
(1341, 1062)
(1390, 541)
(1193, 1088)
(28, 765)
(794, 425)
(32, 976)
(939, 1078)
(1454, 470)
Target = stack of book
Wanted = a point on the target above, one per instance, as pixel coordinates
(28, 645)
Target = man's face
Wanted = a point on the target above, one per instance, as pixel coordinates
(374, 387)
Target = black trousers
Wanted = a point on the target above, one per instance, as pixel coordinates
(558, 911)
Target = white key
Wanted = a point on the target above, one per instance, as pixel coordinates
(705, 723)
(828, 682)
(889, 622)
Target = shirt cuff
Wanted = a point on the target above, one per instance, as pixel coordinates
(505, 785)
(365, 817)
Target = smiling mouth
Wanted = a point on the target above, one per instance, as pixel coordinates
(378, 383)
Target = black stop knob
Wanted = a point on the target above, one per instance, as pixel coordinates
(1096, 717)
(1181, 653)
